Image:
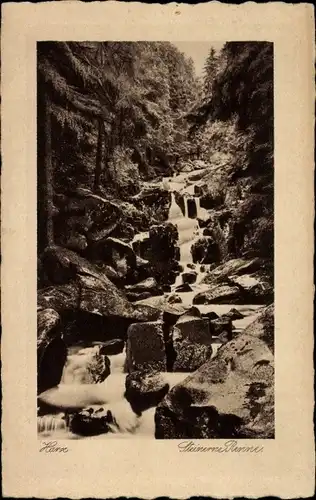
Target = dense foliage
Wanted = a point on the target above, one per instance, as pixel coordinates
(125, 95)
(111, 114)
(104, 107)
(234, 125)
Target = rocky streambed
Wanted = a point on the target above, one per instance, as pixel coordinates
(144, 330)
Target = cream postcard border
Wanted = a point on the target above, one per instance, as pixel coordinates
(150, 468)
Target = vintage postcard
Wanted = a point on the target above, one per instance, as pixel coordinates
(157, 212)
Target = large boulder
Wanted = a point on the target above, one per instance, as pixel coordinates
(116, 416)
(85, 288)
(100, 297)
(132, 221)
(116, 253)
(263, 327)
(191, 208)
(89, 302)
(51, 349)
(149, 285)
(155, 202)
(205, 250)
(248, 275)
(233, 267)
(255, 288)
(219, 294)
(230, 396)
(111, 347)
(84, 218)
(191, 341)
(160, 248)
(193, 329)
(145, 348)
(145, 312)
(189, 277)
(145, 389)
(62, 265)
(170, 311)
(91, 421)
(61, 298)
(164, 239)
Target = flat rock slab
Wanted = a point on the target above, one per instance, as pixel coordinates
(145, 346)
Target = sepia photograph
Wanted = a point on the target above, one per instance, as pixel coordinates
(157, 211)
(155, 248)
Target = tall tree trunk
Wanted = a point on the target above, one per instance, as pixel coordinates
(99, 155)
(48, 172)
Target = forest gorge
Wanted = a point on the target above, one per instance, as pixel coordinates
(155, 241)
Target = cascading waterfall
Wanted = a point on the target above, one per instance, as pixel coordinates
(186, 208)
(189, 232)
(175, 211)
(75, 395)
(75, 370)
(76, 392)
(188, 229)
(51, 424)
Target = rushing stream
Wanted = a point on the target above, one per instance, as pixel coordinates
(75, 391)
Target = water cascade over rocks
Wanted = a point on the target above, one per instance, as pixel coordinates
(190, 232)
(92, 398)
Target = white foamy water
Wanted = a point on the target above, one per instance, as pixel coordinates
(188, 229)
(52, 424)
(74, 396)
(75, 393)
(75, 370)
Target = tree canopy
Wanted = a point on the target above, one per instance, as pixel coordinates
(113, 113)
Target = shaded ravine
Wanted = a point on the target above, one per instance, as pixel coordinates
(74, 392)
